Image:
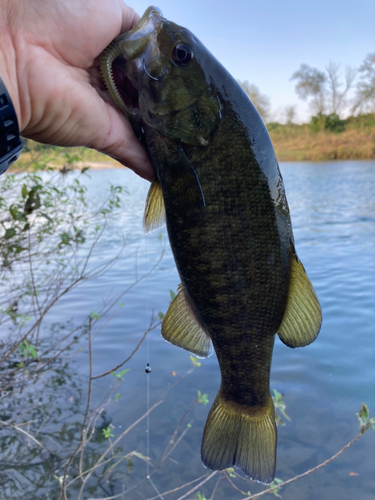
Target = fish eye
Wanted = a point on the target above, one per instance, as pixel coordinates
(182, 54)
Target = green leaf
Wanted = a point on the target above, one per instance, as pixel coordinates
(201, 497)
(9, 233)
(195, 361)
(65, 238)
(129, 466)
(94, 315)
(27, 350)
(14, 212)
(117, 396)
(172, 294)
(160, 316)
(279, 420)
(230, 471)
(363, 412)
(278, 401)
(275, 489)
(107, 432)
(121, 374)
(24, 191)
(364, 418)
(202, 398)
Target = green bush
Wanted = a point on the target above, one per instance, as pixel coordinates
(331, 123)
(362, 121)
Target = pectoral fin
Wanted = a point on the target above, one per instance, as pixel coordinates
(154, 216)
(181, 328)
(303, 317)
(187, 185)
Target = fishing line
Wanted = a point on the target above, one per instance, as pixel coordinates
(148, 373)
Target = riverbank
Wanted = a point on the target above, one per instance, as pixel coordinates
(291, 142)
(302, 143)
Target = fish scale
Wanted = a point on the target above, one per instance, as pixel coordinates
(219, 188)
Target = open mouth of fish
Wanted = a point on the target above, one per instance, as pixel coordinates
(126, 56)
(128, 93)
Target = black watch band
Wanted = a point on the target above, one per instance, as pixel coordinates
(10, 142)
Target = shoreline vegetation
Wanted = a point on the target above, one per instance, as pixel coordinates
(325, 138)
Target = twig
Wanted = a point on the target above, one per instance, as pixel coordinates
(216, 486)
(150, 328)
(100, 460)
(269, 490)
(176, 489)
(232, 483)
(170, 446)
(198, 486)
(15, 427)
(83, 430)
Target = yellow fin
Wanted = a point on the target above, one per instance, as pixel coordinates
(303, 316)
(154, 216)
(181, 328)
(244, 437)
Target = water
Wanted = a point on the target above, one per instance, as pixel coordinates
(324, 384)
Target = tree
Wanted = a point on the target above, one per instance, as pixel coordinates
(310, 83)
(323, 87)
(337, 97)
(290, 114)
(365, 93)
(260, 101)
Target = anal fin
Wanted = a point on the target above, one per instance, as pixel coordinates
(303, 316)
(181, 328)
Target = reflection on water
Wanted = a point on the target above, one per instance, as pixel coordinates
(333, 213)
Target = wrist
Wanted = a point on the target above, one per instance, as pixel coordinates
(10, 110)
(8, 72)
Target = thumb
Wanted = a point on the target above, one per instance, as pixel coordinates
(119, 141)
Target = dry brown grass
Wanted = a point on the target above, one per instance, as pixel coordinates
(299, 143)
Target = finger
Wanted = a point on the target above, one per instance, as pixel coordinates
(121, 144)
(129, 17)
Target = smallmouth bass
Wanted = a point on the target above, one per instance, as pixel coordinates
(220, 191)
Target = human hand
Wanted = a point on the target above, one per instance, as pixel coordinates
(49, 64)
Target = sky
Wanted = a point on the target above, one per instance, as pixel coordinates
(266, 41)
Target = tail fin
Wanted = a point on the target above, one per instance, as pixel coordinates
(241, 436)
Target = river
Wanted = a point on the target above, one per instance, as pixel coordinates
(333, 214)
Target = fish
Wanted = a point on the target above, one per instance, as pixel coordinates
(219, 189)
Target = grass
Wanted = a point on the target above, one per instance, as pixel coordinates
(37, 156)
(300, 143)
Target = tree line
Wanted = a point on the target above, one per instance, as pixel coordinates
(327, 90)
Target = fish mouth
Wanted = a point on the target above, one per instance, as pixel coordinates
(140, 40)
(128, 93)
(135, 41)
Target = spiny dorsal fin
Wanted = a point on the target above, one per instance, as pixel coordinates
(303, 317)
(154, 216)
(181, 328)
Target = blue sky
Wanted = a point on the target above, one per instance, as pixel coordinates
(264, 42)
